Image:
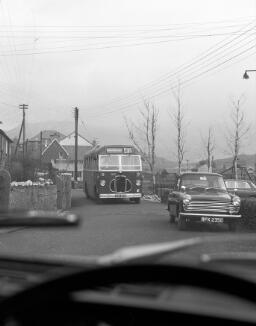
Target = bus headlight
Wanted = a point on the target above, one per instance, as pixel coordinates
(138, 183)
(102, 182)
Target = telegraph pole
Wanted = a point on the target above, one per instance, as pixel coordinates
(41, 148)
(23, 107)
(76, 141)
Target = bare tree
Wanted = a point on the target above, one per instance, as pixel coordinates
(179, 124)
(209, 148)
(143, 135)
(238, 131)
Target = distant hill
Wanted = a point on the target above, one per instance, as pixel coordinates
(162, 163)
(101, 133)
(95, 131)
(32, 129)
(248, 160)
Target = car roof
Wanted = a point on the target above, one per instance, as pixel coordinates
(243, 180)
(200, 173)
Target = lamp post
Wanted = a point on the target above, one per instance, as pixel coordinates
(245, 75)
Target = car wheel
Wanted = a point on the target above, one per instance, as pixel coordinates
(172, 217)
(182, 225)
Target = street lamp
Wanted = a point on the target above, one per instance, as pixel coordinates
(245, 75)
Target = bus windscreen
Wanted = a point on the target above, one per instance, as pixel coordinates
(130, 162)
(119, 162)
(109, 162)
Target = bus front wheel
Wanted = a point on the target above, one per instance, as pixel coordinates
(86, 191)
(98, 200)
(136, 200)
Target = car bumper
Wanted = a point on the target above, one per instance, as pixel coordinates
(201, 217)
(120, 195)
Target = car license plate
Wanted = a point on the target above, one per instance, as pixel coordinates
(212, 219)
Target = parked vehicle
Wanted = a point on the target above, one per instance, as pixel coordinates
(241, 188)
(113, 171)
(202, 197)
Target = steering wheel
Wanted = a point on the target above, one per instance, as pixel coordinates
(57, 293)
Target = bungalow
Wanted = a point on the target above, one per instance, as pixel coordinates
(61, 154)
(37, 144)
(5, 149)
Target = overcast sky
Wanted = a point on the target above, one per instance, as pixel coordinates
(106, 56)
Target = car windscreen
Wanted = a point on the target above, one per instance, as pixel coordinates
(237, 184)
(207, 181)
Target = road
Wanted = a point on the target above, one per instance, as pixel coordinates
(104, 228)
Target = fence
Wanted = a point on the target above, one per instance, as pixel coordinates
(163, 184)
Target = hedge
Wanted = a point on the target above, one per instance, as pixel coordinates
(248, 212)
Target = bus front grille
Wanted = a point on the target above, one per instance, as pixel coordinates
(120, 184)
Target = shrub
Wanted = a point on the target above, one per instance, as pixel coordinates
(248, 212)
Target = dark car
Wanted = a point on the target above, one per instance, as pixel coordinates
(241, 188)
(203, 197)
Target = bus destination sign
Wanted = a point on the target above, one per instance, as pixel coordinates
(114, 150)
(119, 150)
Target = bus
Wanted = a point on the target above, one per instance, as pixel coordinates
(113, 171)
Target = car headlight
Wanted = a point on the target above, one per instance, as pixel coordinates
(236, 201)
(102, 182)
(186, 200)
(138, 182)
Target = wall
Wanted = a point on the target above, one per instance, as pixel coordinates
(34, 197)
(46, 197)
(64, 191)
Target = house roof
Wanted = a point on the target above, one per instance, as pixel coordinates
(4, 134)
(82, 150)
(49, 134)
(70, 140)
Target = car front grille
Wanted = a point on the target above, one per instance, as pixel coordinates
(210, 207)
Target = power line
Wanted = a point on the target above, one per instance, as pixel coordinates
(139, 25)
(99, 46)
(182, 83)
(195, 64)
